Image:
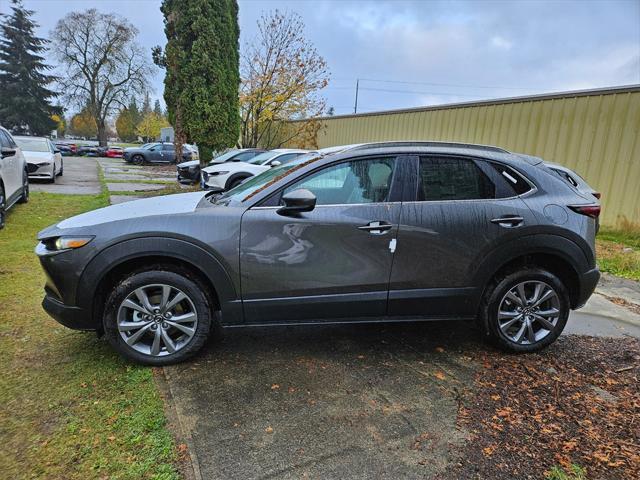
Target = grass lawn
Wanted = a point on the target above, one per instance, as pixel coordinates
(69, 406)
(618, 252)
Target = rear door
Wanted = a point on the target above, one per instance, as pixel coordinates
(168, 152)
(331, 263)
(460, 210)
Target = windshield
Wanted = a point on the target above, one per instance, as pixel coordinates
(263, 157)
(247, 189)
(224, 157)
(33, 144)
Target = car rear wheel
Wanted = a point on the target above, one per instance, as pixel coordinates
(24, 198)
(157, 317)
(525, 311)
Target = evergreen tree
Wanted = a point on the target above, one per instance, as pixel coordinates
(202, 62)
(146, 104)
(25, 99)
(157, 109)
(136, 116)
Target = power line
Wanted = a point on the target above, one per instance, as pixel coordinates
(413, 92)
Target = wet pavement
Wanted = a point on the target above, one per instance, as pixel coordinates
(80, 178)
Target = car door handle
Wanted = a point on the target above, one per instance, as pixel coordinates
(508, 221)
(376, 227)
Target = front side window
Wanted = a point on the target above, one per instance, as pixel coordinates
(357, 181)
(444, 178)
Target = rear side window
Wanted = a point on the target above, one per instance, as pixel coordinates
(444, 178)
(171, 148)
(513, 178)
(244, 156)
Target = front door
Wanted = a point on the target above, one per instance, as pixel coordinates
(461, 209)
(331, 263)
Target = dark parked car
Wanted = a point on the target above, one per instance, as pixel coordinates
(65, 150)
(87, 151)
(385, 232)
(189, 172)
(157, 153)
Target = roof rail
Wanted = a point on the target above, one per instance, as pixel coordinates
(418, 143)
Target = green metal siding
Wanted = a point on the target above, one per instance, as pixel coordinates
(593, 132)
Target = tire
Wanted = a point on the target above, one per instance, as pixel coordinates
(53, 174)
(119, 318)
(511, 331)
(137, 160)
(3, 207)
(24, 198)
(61, 172)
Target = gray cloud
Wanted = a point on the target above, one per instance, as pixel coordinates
(460, 48)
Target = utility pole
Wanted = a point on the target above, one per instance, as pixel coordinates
(355, 107)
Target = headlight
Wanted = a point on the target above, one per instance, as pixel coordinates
(218, 173)
(66, 243)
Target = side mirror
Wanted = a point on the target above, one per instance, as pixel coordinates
(7, 152)
(301, 200)
(276, 163)
(55, 150)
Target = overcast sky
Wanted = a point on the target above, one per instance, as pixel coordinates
(414, 53)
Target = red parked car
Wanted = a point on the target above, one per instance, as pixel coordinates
(115, 152)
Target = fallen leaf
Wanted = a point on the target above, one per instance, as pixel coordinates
(269, 429)
(439, 375)
(275, 386)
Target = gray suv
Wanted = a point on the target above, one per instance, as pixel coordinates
(397, 231)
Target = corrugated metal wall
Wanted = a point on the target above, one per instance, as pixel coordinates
(592, 132)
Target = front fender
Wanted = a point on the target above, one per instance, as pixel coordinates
(176, 249)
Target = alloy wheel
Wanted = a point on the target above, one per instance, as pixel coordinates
(157, 320)
(529, 312)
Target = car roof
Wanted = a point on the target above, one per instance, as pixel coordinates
(30, 137)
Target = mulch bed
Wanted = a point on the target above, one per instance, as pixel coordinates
(577, 402)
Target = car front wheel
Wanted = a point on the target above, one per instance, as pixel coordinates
(138, 159)
(158, 317)
(526, 310)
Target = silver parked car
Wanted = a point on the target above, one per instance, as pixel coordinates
(14, 181)
(44, 160)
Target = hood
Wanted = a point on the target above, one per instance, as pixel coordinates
(192, 163)
(37, 157)
(147, 207)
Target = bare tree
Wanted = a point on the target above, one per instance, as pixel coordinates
(103, 66)
(282, 75)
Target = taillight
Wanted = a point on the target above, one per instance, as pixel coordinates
(592, 211)
(597, 195)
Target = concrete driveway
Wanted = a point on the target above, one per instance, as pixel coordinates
(363, 401)
(80, 178)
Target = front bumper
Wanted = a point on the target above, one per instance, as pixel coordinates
(188, 175)
(588, 282)
(213, 182)
(71, 317)
(39, 170)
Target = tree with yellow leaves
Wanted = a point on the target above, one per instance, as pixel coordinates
(150, 126)
(282, 76)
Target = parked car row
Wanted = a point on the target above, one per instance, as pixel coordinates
(230, 169)
(159, 152)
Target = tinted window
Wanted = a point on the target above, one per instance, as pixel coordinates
(359, 181)
(286, 158)
(244, 156)
(4, 140)
(168, 147)
(453, 179)
(513, 178)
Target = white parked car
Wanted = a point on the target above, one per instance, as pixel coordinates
(44, 160)
(14, 179)
(227, 175)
